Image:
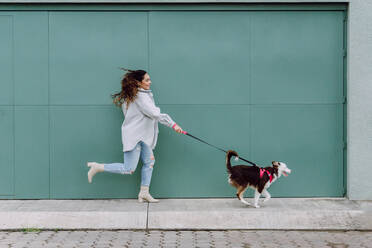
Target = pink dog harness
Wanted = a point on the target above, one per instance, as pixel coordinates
(262, 171)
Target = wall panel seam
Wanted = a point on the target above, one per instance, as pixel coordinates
(250, 83)
(49, 120)
(148, 42)
(13, 107)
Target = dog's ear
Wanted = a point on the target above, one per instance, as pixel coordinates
(275, 164)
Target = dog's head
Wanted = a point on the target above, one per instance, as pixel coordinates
(281, 167)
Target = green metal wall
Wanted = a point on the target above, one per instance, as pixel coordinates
(268, 84)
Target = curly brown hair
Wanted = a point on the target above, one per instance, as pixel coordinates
(129, 87)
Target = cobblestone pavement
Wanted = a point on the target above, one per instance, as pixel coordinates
(104, 238)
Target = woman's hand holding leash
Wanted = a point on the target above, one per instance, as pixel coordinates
(178, 129)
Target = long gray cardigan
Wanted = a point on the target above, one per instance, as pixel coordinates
(141, 121)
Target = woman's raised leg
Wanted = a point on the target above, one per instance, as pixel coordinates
(128, 166)
(131, 159)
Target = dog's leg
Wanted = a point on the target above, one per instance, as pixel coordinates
(240, 194)
(256, 197)
(267, 195)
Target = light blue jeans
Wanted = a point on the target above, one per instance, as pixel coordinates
(131, 160)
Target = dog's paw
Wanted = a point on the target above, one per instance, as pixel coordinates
(256, 206)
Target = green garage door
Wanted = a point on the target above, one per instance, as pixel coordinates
(266, 82)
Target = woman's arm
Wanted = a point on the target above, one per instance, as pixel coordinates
(148, 108)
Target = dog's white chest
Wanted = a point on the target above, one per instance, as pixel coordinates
(229, 179)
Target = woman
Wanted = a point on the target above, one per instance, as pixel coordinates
(139, 130)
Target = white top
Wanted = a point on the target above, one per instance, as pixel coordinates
(141, 121)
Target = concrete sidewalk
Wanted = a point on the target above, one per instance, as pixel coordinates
(190, 214)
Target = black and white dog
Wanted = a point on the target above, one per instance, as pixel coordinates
(242, 177)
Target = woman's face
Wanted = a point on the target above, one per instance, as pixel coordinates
(146, 82)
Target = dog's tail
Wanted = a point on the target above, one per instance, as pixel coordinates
(229, 154)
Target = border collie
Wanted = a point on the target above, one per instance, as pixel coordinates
(242, 177)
